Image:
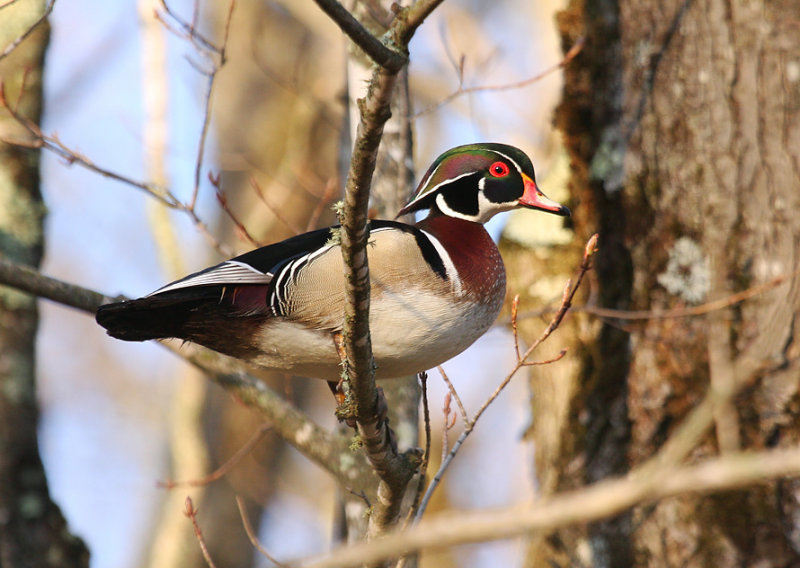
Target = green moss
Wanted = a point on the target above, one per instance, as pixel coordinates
(15, 388)
(335, 238)
(356, 443)
(13, 299)
(31, 506)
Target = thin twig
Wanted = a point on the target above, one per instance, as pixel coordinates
(201, 144)
(8, 3)
(15, 43)
(453, 391)
(212, 241)
(212, 80)
(273, 209)
(566, 302)
(326, 199)
(693, 311)
(189, 31)
(423, 468)
(54, 144)
(222, 470)
(191, 512)
(426, 457)
(514, 311)
(248, 528)
(570, 55)
(447, 424)
(222, 199)
(545, 361)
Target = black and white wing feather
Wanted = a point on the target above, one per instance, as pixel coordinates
(239, 292)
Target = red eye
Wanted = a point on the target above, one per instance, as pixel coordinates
(498, 169)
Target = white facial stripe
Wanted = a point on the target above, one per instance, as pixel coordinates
(438, 185)
(433, 173)
(516, 165)
(444, 208)
(449, 267)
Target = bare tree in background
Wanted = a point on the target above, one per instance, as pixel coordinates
(33, 531)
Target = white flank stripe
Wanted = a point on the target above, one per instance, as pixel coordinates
(449, 267)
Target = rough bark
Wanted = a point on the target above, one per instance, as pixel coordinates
(33, 531)
(677, 117)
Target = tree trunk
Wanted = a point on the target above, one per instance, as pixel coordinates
(33, 531)
(681, 122)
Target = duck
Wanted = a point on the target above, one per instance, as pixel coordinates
(436, 285)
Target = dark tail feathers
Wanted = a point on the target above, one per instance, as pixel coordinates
(219, 317)
(146, 318)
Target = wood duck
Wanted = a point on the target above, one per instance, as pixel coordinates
(436, 286)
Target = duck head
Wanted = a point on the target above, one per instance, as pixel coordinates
(477, 181)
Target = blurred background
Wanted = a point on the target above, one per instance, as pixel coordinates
(119, 418)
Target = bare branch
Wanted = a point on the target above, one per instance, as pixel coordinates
(598, 501)
(450, 386)
(570, 55)
(248, 528)
(53, 144)
(201, 145)
(566, 302)
(222, 199)
(381, 54)
(191, 512)
(33, 282)
(189, 30)
(216, 57)
(221, 471)
(395, 470)
(8, 3)
(13, 45)
(693, 311)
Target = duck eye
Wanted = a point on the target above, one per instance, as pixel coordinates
(498, 169)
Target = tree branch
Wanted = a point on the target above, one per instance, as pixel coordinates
(379, 53)
(601, 500)
(288, 422)
(522, 360)
(33, 282)
(394, 470)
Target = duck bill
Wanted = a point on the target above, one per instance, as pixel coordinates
(535, 199)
